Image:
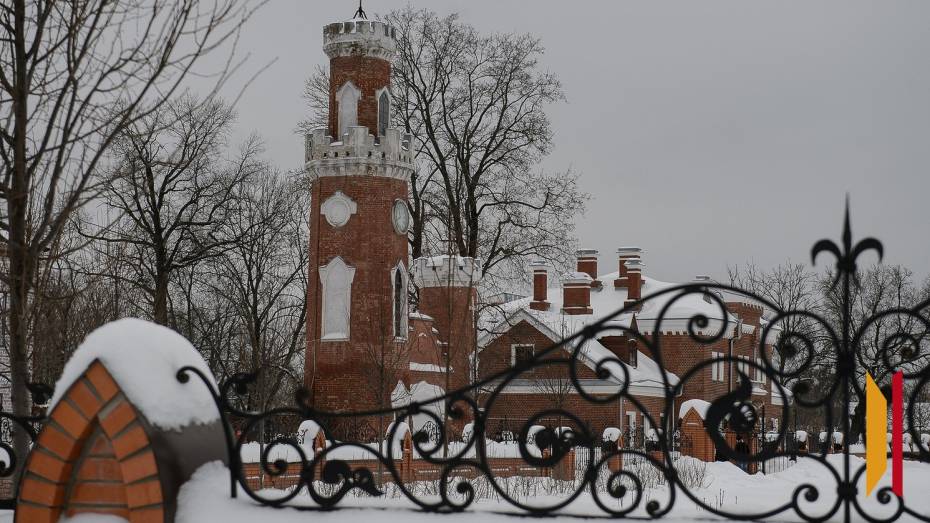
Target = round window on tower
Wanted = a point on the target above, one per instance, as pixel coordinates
(401, 217)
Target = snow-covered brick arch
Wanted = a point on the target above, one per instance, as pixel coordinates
(123, 434)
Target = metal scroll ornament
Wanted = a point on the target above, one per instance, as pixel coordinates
(328, 480)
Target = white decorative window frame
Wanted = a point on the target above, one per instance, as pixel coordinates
(344, 123)
(404, 307)
(336, 263)
(330, 209)
(406, 211)
(378, 93)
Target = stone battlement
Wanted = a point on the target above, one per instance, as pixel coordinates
(357, 153)
(359, 37)
(446, 271)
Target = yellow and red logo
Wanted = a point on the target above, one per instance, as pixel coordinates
(876, 430)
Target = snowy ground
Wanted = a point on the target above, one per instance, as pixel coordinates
(723, 486)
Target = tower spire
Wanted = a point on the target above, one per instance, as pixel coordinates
(360, 13)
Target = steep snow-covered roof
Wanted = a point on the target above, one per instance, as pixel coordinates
(144, 359)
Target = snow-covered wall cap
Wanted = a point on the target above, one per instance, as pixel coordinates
(539, 265)
(629, 251)
(634, 264)
(446, 271)
(307, 432)
(144, 359)
(570, 278)
(699, 406)
(611, 434)
(586, 253)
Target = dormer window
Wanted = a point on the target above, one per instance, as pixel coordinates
(384, 112)
(347, 97)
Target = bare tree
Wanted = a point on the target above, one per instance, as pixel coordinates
(887, 342)
(175, 193)
(790, 287)
(73, 75)
(263, 278)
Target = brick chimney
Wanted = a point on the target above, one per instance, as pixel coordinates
(625, 254)
(576, 293)
(634, 276)
(540, 285)
(587, 263)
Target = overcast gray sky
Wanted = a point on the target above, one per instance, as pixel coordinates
(708, 133)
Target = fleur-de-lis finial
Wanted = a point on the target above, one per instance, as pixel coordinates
(846, 257)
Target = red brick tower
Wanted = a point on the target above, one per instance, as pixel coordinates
(360, 169)
(448, 290)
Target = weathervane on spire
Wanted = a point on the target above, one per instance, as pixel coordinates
(360, 13)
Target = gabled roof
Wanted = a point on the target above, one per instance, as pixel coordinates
(591, 352)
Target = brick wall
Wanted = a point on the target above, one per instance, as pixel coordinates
(453, 316)
(340, 373)
(94, 456)
(369, 75)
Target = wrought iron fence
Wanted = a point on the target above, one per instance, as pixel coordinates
(327, 479)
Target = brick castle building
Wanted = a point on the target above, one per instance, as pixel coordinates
(366, 350)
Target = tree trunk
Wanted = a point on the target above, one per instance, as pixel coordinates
(160, 305)
(19, 276)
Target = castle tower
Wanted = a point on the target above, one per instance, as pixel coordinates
(448, 292)
(360, 169)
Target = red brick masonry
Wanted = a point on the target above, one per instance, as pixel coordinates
(92, 456)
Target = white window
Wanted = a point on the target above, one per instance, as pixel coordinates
(347, 98)
(336, 278)
(521, 353)
(399, 282)
(760, 373)
(631, 428)
(743, 366)
(716, 368)
(384, 112)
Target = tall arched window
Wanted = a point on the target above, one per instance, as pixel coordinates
(384, 112)
(348, 97)
(336, 278)
(400, 302)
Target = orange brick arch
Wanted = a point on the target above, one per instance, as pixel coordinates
(93, 456)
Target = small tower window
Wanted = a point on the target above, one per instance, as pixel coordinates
(384, 112)
(400, 303)
(348, 97)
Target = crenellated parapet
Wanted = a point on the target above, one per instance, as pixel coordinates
(446, 271)
(358, 154)
(359, 37)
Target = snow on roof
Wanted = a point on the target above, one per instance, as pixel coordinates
(144, 359)
(556, 325)
(699, 406)
(605, 303)
(427, 367)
